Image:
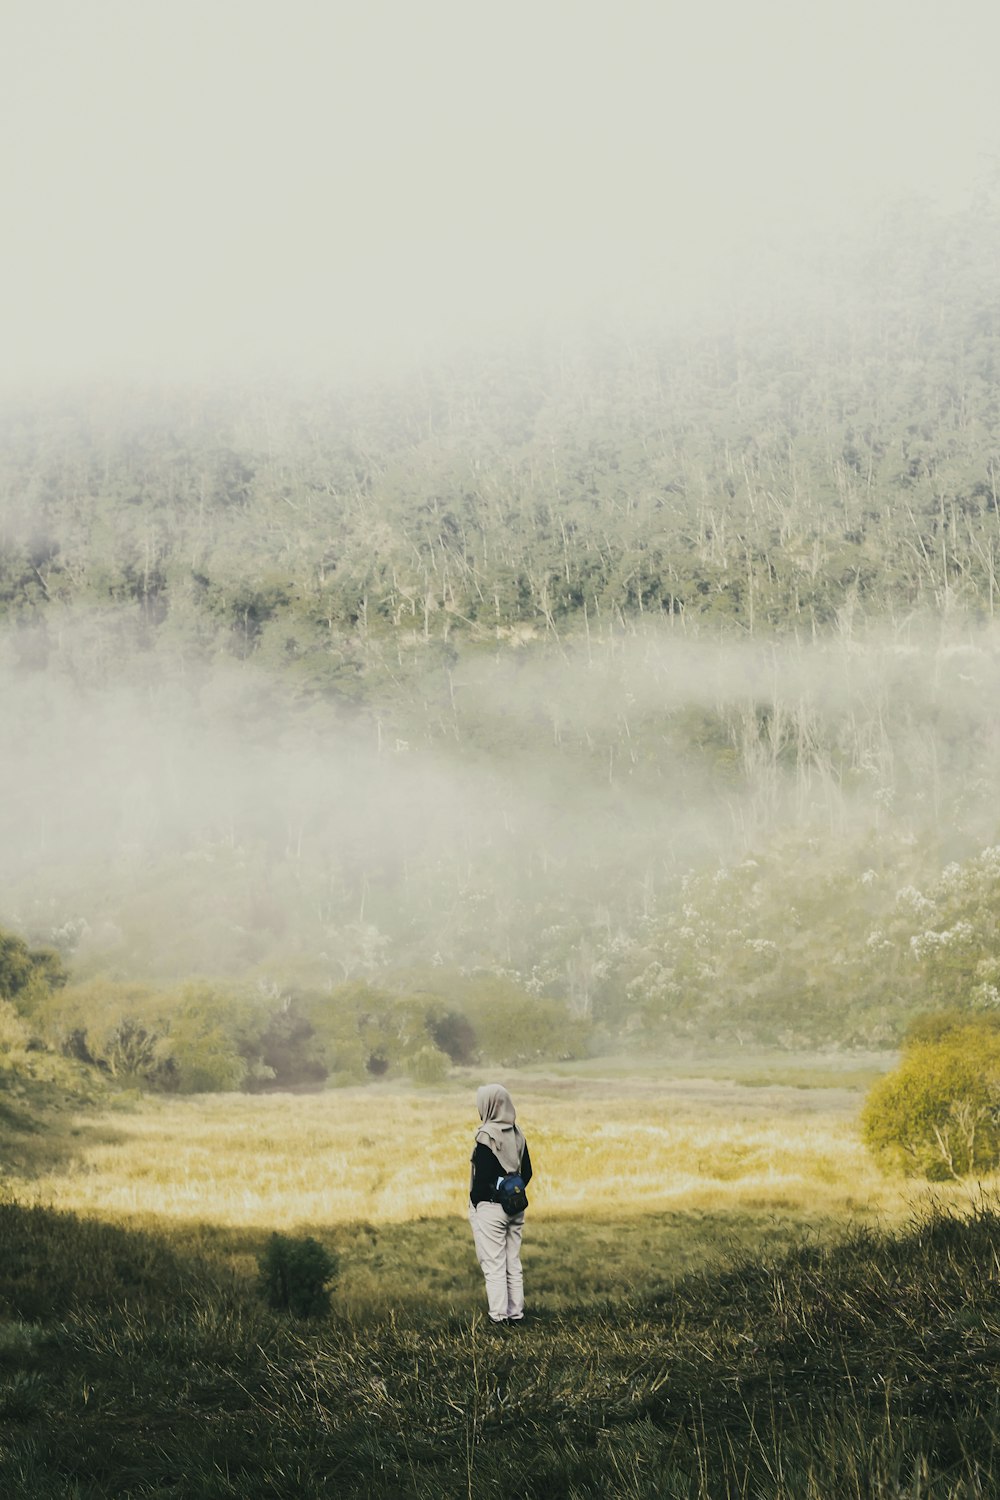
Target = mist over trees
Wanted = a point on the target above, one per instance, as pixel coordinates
(652, 673)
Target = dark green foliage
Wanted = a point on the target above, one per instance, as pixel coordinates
(15, 965)
(455, 1035)
(863, 1370)
(295, 1275)
(131, 1052)
(195, 1039)
(28, 980)
(287, 1052)
(52, 1264)
(24, 970)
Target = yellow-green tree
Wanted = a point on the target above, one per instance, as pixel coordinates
(938, 1113)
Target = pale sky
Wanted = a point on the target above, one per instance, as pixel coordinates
(213, 185)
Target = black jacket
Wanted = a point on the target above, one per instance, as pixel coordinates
(485, 1171)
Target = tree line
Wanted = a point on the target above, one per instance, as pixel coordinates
(766, 476)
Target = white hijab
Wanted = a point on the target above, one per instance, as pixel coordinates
(498, 1131)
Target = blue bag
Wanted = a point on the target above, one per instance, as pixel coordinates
(511, 1195)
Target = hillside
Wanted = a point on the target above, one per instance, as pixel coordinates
(763, 473)
(499, 666)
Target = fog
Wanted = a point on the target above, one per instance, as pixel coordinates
(195, 190)
(208, 194)
(206, 821)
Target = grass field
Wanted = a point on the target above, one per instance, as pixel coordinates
(725, 1297)
(390, 1153)
(674, 1172)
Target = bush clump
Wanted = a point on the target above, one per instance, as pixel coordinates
(295, 1275)
(938, 1113)
(428, 1066)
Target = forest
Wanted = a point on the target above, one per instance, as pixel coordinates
(639, 682)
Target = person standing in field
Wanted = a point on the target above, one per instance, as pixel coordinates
(500, 1150)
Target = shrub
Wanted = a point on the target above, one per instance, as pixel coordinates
(454, 1034)
(288, 1048)
(15, 1036)
(521, 1028)
(936, 1025)
(428, 1066)
(938, 1112)
(212, 1036)
(203, 1060)
(346, 1063)
(27, 975)
(295, 1275)
(131, 1051)
(115, 1026)
(361, 1030)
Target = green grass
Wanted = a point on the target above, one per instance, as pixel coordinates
(712, 1311)
(136, 1365)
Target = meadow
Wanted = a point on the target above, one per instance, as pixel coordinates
(725, 1298)
(674, 1171)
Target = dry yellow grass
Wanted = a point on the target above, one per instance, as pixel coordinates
(385, 1155)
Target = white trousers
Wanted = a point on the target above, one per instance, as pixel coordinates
(498, 1246)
